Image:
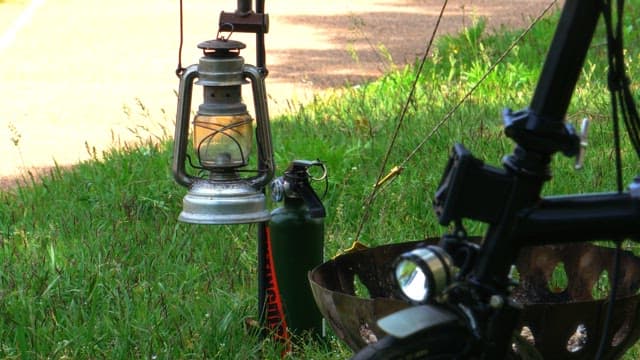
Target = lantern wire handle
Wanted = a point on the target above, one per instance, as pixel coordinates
(219, 36)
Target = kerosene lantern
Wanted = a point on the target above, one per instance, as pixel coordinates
(224, 191)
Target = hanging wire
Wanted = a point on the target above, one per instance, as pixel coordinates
(622, 103)
(369, 200)
(479, 82)
(620, 96)
(618, 79)
(398, 169)
(613, 294)
(180, 68)
(615, 86)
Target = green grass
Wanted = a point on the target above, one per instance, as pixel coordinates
(93, 263)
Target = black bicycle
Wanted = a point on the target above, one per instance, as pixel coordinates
(461, 289)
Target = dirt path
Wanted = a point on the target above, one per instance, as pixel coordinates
(83, 73)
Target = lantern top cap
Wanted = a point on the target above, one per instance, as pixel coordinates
(221, 46)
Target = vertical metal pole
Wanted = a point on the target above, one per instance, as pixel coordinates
(260, 48)
(244, 7)
(262, 276)
(263, 226)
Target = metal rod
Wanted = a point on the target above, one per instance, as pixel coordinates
(244, 7)
(565, 58)
(263, 227)
(261, 53)
(260, 6)
(262, 272)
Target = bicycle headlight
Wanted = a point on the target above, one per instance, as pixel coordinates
(423, 273)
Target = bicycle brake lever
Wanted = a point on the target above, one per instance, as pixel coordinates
(580, 157)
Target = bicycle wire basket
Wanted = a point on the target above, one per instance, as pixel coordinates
(559, 321)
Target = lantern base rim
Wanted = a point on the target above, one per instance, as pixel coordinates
(222, 203)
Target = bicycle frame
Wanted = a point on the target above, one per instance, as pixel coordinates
(509, 198)
(539, 132)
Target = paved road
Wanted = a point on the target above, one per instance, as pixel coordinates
(73, 72)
